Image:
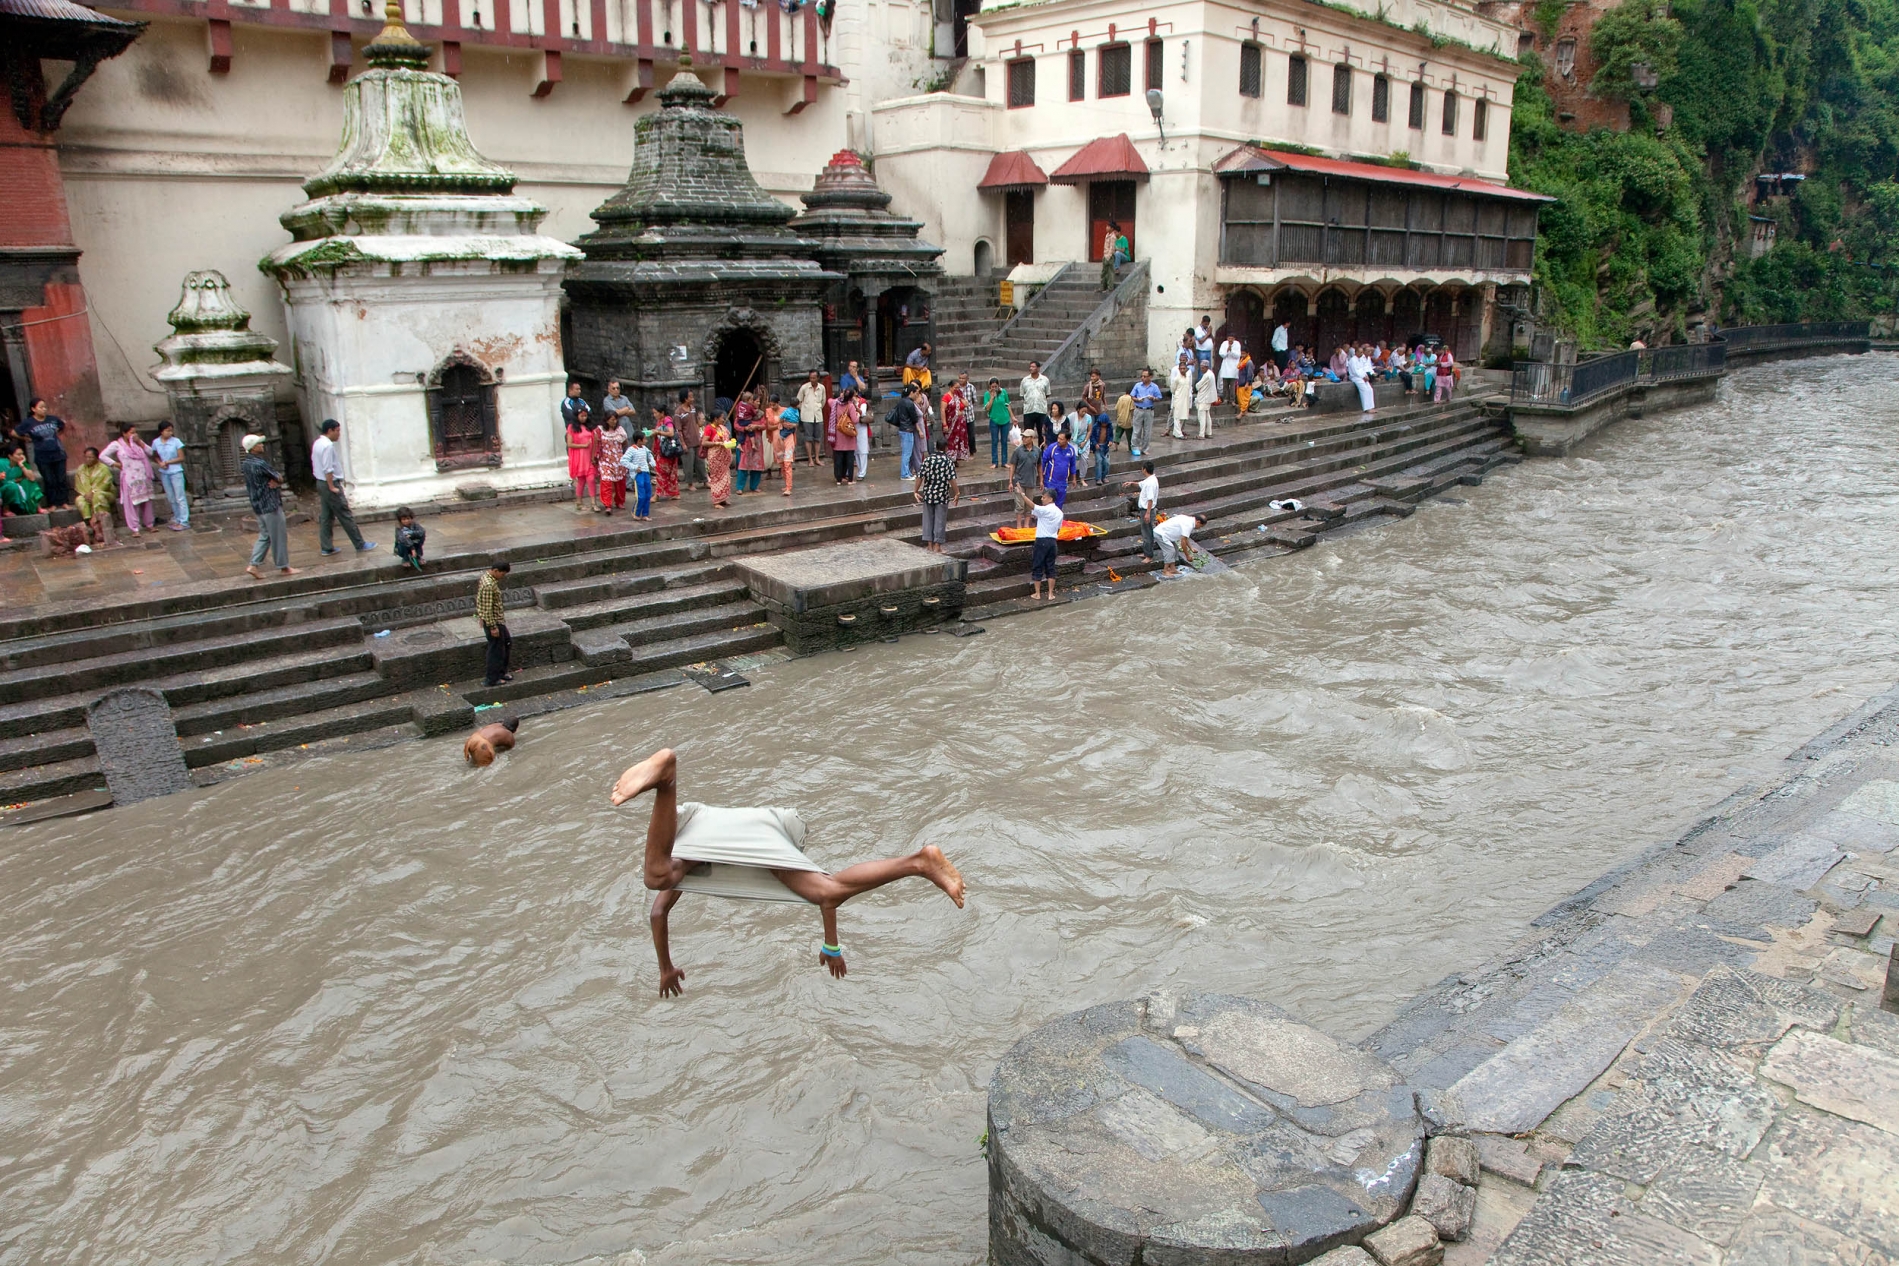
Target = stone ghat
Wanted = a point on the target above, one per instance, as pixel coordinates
(1687, 1062)
(296, 664)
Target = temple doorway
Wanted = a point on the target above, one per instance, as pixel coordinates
(738, 366)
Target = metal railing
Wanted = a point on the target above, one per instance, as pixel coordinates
(1743, 337)
(1569, 386)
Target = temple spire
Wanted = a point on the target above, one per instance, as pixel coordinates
(393, 46)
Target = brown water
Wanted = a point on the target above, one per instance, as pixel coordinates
(381, 1008)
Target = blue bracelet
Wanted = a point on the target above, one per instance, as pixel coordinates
(827, 950)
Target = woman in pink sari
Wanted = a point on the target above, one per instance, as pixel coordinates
(959, 408)
(666, 459)
(718, 463)
(132, 459)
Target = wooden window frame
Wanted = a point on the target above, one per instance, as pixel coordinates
(1102, 54)
(1077, 75)
(1480, 120)
(1342, 88)
(1253, 58)
(1381, 98)
(1009, 82)
(1414, 119)
(1154, 66)
(1450, 112)
(1298, 80)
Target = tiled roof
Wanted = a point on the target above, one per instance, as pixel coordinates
(1105, 158)
(1247, 159)
(1012, 170)
(58, 11)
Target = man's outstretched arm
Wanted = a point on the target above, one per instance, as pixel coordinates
(670, 977)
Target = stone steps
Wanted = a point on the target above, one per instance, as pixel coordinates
(257, 706)
(61, 778)
(651, 601)
(128, 667)
(293, 731)
(621, 643)
(652, 657)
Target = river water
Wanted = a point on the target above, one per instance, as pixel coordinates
(381, 1008)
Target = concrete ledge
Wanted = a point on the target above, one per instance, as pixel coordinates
(855, 591)
(1554, 430)
(1342, 397)
(1201, 1129)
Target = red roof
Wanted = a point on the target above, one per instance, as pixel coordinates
(1013, 170)
(1247, 159)
(1106, 158)
(59, 11)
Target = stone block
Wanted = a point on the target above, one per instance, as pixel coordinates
(1798, 863)
(438, 711)
(1856, 922)
(1204, 1128)
(137, 743)
(1350, 1255)
(854, 591)
(1454, 1158)
(1837, 1173)
(1774, 1237)
(1846, 1079)
(1410, 1241)
(1704, 1192)
(1448, 1206)
(1508, 1157)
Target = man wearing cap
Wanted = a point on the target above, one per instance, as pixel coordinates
(264, 486)
(326, 463)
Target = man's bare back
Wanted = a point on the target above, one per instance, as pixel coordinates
(489, 741)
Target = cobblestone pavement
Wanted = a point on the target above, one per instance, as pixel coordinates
(1688, 1061)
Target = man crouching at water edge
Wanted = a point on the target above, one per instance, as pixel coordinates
(754, 854)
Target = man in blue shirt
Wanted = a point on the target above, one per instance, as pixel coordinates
(1147, 394)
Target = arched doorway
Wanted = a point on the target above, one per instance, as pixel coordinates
(738, 365)
(462, 425)
(1246, 321)
(985, 258)
(1407, 316)
(1335, 322)
(1371, 325)
(1438, 316)
(1289, 306)
(1466, 341)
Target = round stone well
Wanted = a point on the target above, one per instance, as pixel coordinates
(1203, 1129)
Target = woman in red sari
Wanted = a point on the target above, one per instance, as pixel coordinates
(718, 463)
(959, 408)
(665, 469)
(748, 427)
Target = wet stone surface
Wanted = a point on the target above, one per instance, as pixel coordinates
(133, 733)
(1204, 1128)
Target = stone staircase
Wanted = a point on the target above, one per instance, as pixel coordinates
(969, 335)
(315, 657)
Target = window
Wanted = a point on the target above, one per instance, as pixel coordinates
(1249, 70)
(1115, 67)
(1450, 112)
(1077, 75)
(1295, 81)
(1381, 99)
(1566, 57)
(1480, 121)
(1021, 83)
(1154, 70)
(1341, 89)
(1417, 106)
(461, 407)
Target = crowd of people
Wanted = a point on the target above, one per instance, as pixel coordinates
(126, 475)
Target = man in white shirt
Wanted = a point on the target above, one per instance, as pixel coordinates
(1147, 502)
(326, 463)
(1203, 342)
(1175, 535)
(1230, 353)
(1282, 345)
(1035, 389)
(811, 402)
(1358, 368)
(1180, 382)
(1206, 394)
(1048, 526)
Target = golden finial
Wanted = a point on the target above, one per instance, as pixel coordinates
(394, 30)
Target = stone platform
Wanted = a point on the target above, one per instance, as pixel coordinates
(854, 591)
(1208, 1129)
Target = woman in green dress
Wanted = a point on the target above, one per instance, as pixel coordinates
(93, 487)
(20, 488)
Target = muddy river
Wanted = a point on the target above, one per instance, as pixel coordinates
(381, 1008)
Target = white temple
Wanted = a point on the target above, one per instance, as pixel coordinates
(422, 303)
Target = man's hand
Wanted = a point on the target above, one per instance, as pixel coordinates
(835, 965)
(670, 980)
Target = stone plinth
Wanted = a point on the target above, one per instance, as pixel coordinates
(1212, 1129)
(857, 591)
(137, 742)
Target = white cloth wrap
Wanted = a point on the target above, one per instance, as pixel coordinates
(743, 847)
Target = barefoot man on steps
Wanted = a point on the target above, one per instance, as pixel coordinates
(754, 854)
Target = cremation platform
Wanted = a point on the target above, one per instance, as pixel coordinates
(856, 591)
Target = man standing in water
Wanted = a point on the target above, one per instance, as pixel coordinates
(753, 854)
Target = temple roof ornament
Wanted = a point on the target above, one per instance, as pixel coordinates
(212, 336)
(407, 186)
(847, 215)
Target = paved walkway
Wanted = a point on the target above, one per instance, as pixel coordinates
(1688, 1061)
(219, 550)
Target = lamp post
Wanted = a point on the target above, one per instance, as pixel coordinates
(1154, 107)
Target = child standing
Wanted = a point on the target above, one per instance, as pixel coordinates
(409, 538)
(788, 444)
(639, 465)
(580, 466)
(609, 444)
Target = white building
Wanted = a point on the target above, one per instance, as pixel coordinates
(1340, 169)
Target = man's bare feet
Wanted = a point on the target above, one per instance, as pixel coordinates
(649, 773)
(253, 573)
(937, 869)
(287, 571)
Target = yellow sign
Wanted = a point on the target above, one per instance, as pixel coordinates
(1006, 296)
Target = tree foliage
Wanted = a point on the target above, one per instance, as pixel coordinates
(1651, 226)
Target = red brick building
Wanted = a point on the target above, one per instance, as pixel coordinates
(43, 326)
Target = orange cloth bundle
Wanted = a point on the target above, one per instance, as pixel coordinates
(1026, 536)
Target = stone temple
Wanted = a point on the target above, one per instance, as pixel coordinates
(423, 305)
(694, 278)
